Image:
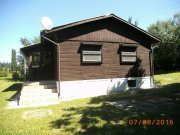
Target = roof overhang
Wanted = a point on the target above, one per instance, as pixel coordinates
(26, 49)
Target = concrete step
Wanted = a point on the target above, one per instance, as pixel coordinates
(50, 86)
(36, 91)
(39, 87)
(30, 83)
(38, 102)
(39, 96)
(47, 83)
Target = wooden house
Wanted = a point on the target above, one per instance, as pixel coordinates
(92, 57)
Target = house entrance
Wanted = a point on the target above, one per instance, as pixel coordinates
(41, 66)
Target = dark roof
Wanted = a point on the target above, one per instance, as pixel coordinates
(100, 18)
(30, 47)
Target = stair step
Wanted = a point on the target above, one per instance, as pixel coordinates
(47, 83)
(39, 87)
(36, 91)
(38, 102)
(42, 96)
(50, 98)
(37, 94)
(38, 99)
(39, 83)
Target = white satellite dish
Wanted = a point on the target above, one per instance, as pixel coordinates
(47, 23)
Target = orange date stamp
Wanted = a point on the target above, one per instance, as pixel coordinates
(157, 122)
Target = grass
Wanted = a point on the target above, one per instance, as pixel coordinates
(168, 78)
(92, 115)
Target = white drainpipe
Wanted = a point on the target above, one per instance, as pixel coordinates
(152, 64)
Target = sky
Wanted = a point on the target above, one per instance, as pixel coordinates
(22, 18)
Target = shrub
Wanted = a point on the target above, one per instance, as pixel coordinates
(4, 72)
(15, 76)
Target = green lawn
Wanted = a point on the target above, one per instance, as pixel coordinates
(92, 115)
(168, 78)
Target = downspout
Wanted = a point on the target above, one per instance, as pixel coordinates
(24, 68)
(152, 63)
(58, 62)
(49, 40)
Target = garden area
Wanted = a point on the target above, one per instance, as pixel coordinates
(153, 111)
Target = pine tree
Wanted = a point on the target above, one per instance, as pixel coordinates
(13, 60)
(130, 19)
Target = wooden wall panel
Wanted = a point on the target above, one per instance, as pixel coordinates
(72, 69)
(110, 35)
(108, 30)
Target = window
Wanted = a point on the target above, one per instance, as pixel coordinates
(91, 53)
(131, 83)
(128, 54)
(91, 56)
(35, 59)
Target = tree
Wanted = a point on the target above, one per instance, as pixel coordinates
(27, 41)
(4, 72)
(5, 65)
(176, 21)
(167, 55)
(130, 19)
(135, 22)
(13, 61)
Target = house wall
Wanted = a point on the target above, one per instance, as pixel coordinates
(79, 80)
(72, 69)
(96, 87)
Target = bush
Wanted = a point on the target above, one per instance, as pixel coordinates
(15, 76)
(4, 72)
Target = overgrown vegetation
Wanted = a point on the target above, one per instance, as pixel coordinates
(4, 69)
(93, 115)
(167, 55)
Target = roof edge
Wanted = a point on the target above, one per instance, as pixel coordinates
(54, 29)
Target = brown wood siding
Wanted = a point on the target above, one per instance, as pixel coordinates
(109, 30)
(72, 69)
(110, 35)
(103, 35)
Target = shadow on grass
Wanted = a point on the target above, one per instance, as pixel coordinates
(14, 87)
(165, 72)
(166, 90)
(100, 117)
